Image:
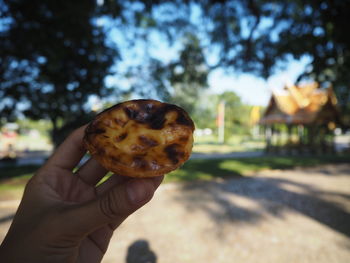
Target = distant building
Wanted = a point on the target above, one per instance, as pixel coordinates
(301, 118)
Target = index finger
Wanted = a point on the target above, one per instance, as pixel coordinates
(70, 152)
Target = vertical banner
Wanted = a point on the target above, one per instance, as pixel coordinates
(253, 121)
(254, 115)
(221, 121)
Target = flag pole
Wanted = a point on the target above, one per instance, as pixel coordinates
(221, 122)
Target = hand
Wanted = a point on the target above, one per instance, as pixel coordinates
(64, 216)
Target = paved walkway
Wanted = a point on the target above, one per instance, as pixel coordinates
(299, 215)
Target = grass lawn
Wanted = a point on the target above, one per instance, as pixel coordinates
(237, 143)
(13, 179)
(227, 148)
(208, 169)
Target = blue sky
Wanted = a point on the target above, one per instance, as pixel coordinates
(254, 90)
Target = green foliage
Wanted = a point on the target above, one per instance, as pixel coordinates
(236, 114)
(205, 111)
(181, 81)
(204, 117)
(17, 177)
(189, 74)
(258, 36)
(221, 168)
(53, 56)
(42, 126)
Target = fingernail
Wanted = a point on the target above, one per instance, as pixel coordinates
(137, 190)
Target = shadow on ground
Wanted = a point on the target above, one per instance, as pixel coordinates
(140, 252)
(228, 167)
(269, 195)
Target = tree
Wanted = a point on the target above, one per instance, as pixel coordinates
(188, 75)
(181, 81)
(259, 36)
(205, 111)
(236, 114)
(53, 56)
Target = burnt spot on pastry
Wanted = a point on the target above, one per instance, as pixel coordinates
(142, 114)
(157, 122)
(105, 136)
(100, 150)
(99, 131)
(142, 117)
(146, 106)
(154, 115)
(131, 113)
(157, 119)
(94, 130)
(154, 165)
(139, 162)
(121, 137)
(146, 141)
(173, 153)
(182, 120)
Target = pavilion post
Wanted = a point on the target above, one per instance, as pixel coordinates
(301, 137)
(268, 137)
(289, 138)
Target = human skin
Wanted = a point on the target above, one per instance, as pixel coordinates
(64, 216)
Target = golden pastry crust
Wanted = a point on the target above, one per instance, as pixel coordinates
(140, 138)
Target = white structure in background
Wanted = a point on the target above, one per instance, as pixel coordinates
(341, 141)
(203, 132)
(8, 140)
(221, 121)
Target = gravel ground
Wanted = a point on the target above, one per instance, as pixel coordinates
(300, 215)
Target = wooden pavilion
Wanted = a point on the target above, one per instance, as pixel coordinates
(301, 119)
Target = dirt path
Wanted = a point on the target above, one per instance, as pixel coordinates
(300, 215)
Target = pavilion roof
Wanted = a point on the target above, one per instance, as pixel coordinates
(303, 104)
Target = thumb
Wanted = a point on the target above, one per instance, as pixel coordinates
(115, 205)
